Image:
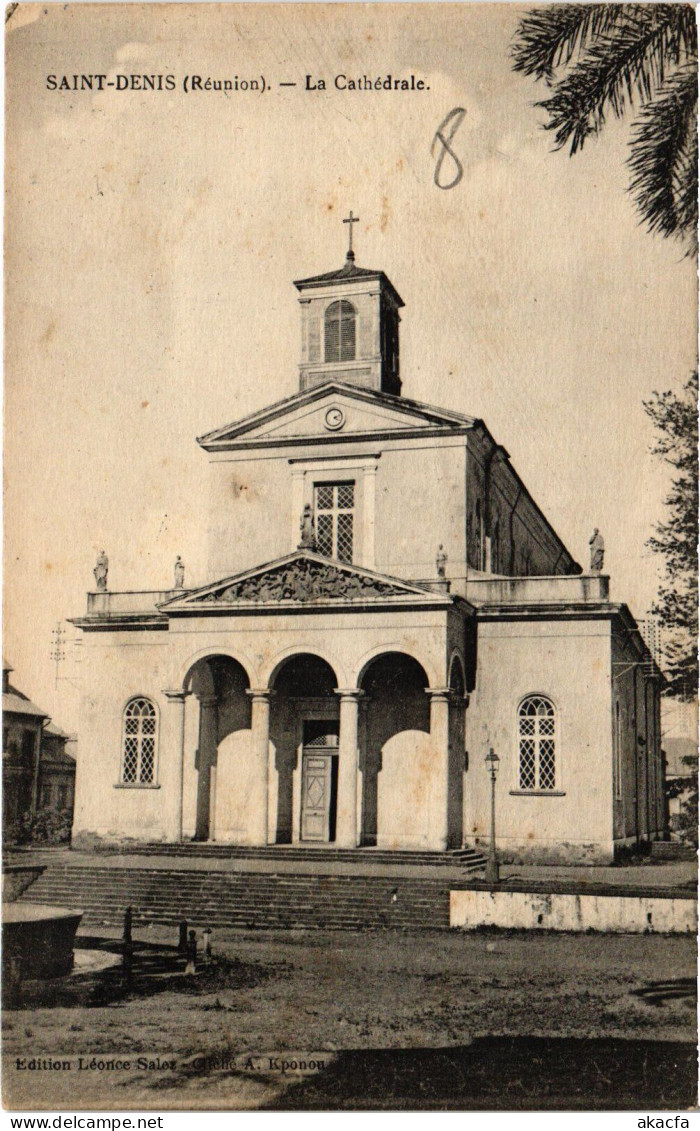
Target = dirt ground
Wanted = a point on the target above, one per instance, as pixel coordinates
(365, 1020)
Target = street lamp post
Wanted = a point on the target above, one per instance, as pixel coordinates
(492, 761)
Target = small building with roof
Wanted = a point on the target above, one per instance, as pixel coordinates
(38, 775)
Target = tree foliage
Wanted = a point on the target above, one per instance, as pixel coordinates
(686, 788)
(46, 826)
(603, 59)
(676, 539)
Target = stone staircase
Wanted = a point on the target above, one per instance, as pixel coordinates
(267, 898)
(673, 850)
(249, 900)
(469, 860)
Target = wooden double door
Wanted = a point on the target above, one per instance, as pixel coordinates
(319, 781)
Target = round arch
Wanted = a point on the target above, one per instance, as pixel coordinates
(432, 677)
(281, 658)
(211, 653)
(304, 675)
(545, 695)
(154, 699)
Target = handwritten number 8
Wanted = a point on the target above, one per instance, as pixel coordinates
(444, 135)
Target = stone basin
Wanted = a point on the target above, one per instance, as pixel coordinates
(41, 937)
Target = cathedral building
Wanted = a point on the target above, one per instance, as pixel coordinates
(386, 604)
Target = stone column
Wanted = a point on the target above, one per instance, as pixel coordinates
(259, 753)
(176, 703)
(208, 742)
(212, 801)
(347, 832)
(440, 742)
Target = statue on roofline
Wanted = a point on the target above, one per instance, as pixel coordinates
(597, 551)
(179, 570)
(441, 562)
(101, 570)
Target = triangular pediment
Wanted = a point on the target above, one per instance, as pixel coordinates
(335, 411)
(302, 578)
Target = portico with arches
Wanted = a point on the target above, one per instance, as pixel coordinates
(318, 742)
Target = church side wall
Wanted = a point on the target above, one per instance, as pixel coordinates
(625, 732)
(116, 667)
(569, 663)
(506, 533)
(638, 812)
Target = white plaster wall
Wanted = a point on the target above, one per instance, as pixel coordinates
(418, 502)
(406, 791)
(553, 912)
(569, 662)
(243, 495)
(115, 667)
(421, 502)
(235, 789)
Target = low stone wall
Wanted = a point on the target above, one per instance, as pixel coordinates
(622, 914)
(512, 851)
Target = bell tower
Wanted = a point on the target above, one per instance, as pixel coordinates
(350, 327)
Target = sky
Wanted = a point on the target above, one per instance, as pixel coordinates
(152, 240)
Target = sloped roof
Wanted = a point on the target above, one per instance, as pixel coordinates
(55, 732)
(13, 702)
(347, 273)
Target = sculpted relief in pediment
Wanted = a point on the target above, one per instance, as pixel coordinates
(304, 581)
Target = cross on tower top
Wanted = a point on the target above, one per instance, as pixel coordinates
(350, 220)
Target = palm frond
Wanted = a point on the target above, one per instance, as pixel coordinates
(601, 59)
(621, 67)
(549, 37)
(664, 157)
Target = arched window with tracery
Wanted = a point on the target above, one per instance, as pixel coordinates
(537, 738)
(340, 332)
(139, 731)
